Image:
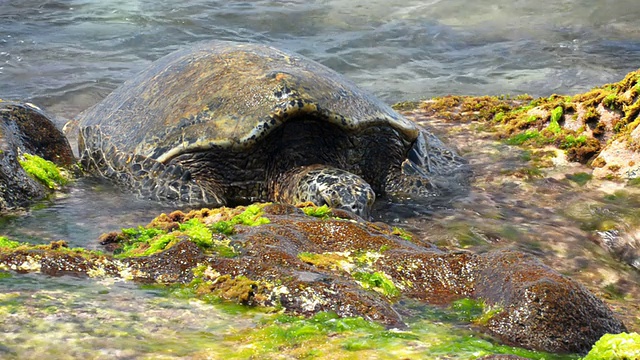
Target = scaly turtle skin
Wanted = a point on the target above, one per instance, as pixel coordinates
(225, 122)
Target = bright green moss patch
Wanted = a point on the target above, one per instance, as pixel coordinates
(624, 346)
(467, 309)
(554, 123)
(473, 310)
(573, 141)
(357, 263)
(524, 137)
(610, 100)
(305, 337)
(251, 216)
(144, 241)
(43, 171)
(197, 232)
(4, 275)
(322, 212)
(377, 281)
(6, 243)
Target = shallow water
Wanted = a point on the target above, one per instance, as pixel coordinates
(80, 214)
(68, 55)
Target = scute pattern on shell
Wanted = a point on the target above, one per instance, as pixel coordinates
(229, 95)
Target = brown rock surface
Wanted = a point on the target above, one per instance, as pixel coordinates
(306, 264)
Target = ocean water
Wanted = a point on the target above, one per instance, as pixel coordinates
(67, 55)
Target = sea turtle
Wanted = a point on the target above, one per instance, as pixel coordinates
(229, 123)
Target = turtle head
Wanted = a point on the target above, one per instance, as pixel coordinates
(324, 185)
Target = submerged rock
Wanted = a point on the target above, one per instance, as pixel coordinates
(25, 130)
(310, 260)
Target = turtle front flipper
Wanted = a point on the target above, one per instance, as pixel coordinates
(170, 183)
(324, 185)
(431, 169)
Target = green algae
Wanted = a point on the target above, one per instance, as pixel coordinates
(209, 328)
(473, 310)
(6, 243)
(406, 105)
(554, 125)
(377, 281)
(44, 171)
(60, 246)
(611, 291)
(624, 346)
(144, 241)
(572, 141)
(576, 124)
(322, 212)
(251, 216)
(530, 135)
(358, 264)
(325, 335)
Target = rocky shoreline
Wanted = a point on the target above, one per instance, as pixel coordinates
(334, 261)
(306, 261)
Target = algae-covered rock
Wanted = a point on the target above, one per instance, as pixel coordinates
(276, 256)
(599, 127)
(30, 148)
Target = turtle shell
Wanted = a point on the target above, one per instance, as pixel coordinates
(229, 95)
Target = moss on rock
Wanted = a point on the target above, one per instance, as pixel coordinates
(307, 265)
(46, 172)
(623, 346)
(583, 125)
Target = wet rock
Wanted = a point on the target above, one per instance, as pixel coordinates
(304, 265)
(25, 129)
(542, 309)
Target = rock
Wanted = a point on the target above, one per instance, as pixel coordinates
(25, 129)
(277, 256)
(542, 309)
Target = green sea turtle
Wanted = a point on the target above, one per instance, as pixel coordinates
(227, 123)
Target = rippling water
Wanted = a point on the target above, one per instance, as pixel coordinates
(67, 55)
